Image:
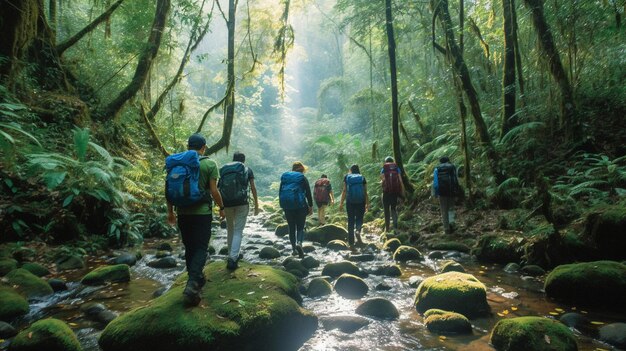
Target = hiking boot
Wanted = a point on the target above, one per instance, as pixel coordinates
(191, 294)
(231, 264)
(300, 251)
(353, 249)
(294, 252)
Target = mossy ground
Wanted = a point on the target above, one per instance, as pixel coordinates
(28, 284)
(532, 333)
(7, 265)
(46, 334)
(252, 308)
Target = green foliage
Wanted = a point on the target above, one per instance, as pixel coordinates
(125, 227)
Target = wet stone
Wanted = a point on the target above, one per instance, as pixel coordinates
(378, 308)
(167, 262)
(269, 253)
(532, 270)
(614, 334)
(7, 330)
(319, 287)
(435, 255)
(346, 324)
(160, 291)
(512, 267)
(124, 258)
(383, 287)
(337, 245)
(165, 247)
(57, 284)
(309, 262)
(362, 258)
(224, 251)
(415, 280)
(351, 286)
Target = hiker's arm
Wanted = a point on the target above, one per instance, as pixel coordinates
(309, 198)
(435, 184)
(343, 197)
(367, 198)
(171, 216)
(217, 196)
(254, 196)
(332, 197)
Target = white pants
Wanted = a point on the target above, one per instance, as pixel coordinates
(236, 218)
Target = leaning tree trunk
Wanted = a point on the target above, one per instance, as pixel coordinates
(113, 109)
(454, 55)
(27, 40)
(509, 121)
(548, 47)
(395, 111)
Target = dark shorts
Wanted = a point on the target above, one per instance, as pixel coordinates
(320, 204)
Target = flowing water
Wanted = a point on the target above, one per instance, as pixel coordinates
(508, 295)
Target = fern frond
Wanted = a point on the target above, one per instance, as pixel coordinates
(522, 128)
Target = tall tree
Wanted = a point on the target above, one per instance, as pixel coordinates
(550, 52)
(455, 57)
(395, 111)
(113, 109)
(509, 119)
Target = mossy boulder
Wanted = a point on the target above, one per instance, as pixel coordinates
(450, 246)
(228, 317)
(319, 287)
(378, 308)
(7, 265)
(269, 252)
(124, 258)
(7, 330)
(446, 322)
(338, 268)
(12, 304)
(347, 324)
(606, 228)
(70, 262)
(453, 291)
(310, 262)
(46, 334)
(28, 284)
(162, 263)
(36, 269)
(532, 270)
(389, 270)
(350, 286)
(295, 267)
(282, 230)
(406, 253)
(326, 233)
(532, 333)
(452, 266)
(600, 283)
(392, 245)
(499, 248)
(614, 334)
(337, 245)
(101, 275)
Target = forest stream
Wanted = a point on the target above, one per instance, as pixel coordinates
(508, 294)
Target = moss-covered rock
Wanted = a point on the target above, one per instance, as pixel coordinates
(605, 227)
(101, 275)
(600, 283)
(392, 245)
(614, 334)
(350, 286)
(7, 330)
(281, 230)
(24, 254)
(389, 270)
(450, 246)
(28, 284)
(532, 333)
(338, 268)
(446, 322)
(326, 233)
(337, 245)
(499, 248)
(70, 262)
(407, 253)
(378, 308)
(12, 304)
(532, 270)
(268, 253)
(452, 266)
(36, 269)
(228, 318)
(453, 291)
(295, 267)
(7, 265)
(319, 287)
(162, 263)
(46, 334)
(310, 262)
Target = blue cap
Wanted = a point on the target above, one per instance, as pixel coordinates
(196, 141)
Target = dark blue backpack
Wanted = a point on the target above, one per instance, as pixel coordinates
(355, 188)
(233, 184)
(291, 194)
(183, 175)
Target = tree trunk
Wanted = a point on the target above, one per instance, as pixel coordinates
(463, 111)
(455, 57)
(509, 120)
(548, 47)
(91, 26)
(52, 11)
(27, 40)
(107, 25)
(395, 111)
(518, 56)
(113, 109)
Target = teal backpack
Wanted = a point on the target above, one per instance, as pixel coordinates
(355, 184)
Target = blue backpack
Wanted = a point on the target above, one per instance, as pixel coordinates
(291, 195)
(183, 175)
(233, 184)
(355, 192)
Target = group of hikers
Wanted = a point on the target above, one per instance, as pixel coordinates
(193, 182)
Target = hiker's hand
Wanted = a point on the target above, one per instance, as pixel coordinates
(310, 210)
(171, 219)
(222, 215)
(256, 210)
